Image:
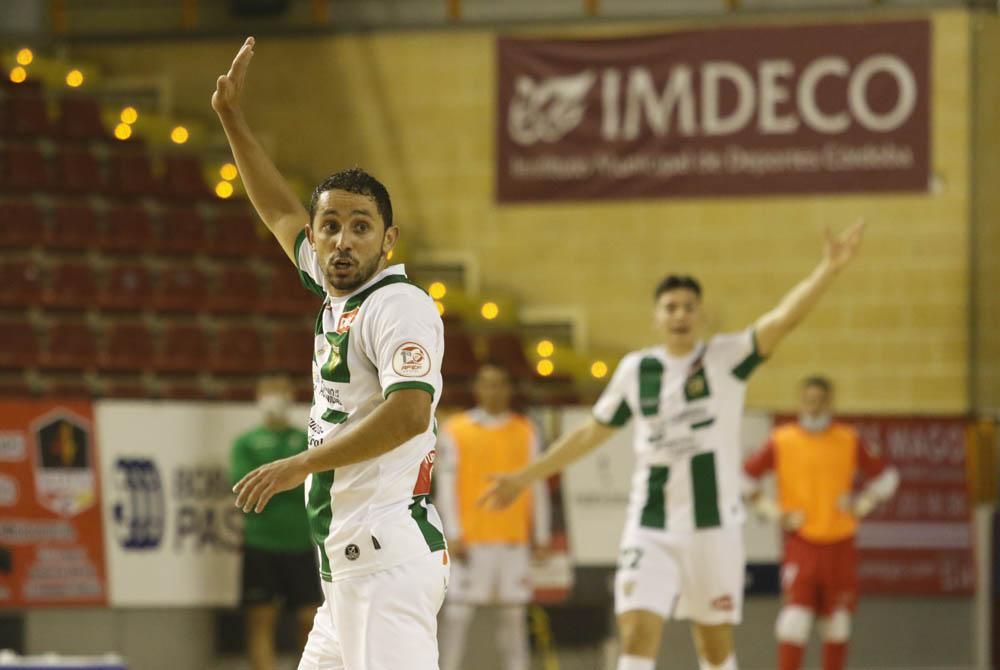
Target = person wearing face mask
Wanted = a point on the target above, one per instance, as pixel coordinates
(492, 548)
(279, 560)
(815, 461)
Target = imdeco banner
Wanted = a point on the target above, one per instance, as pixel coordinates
(837, 108)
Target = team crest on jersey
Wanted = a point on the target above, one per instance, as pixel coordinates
(695, 386)
(411, 360)
(346, 320)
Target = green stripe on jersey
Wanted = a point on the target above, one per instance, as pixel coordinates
(335, 368)
(432, 536)
(654, 512)
(743, 370)
(621, 415)
(650, 384)
(304, 277)
(320, 511)
(705, 491)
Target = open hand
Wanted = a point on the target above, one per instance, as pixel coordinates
(839, 250)
(502, 492)
(229, 87)
(257, 488)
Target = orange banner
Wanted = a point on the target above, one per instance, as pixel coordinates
(51, 539)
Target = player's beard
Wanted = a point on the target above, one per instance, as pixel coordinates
(365, 271)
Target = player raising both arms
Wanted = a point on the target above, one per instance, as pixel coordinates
(682, 548)
(376, 379)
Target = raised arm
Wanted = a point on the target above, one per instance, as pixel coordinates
(776, 324)
(569, 448)
(272, 197)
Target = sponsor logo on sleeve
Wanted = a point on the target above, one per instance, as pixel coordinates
(411, 360)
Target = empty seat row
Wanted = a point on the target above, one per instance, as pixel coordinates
(131, 286)
(72, 345)
(127, 173)
(132, 229)
(24, 112)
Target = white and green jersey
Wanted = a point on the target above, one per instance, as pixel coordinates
(688, 412)
(385, 336)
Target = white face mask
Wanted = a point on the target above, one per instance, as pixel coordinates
(273, 406)
(815, 423)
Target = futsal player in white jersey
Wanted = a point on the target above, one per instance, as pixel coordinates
(682, 548)
(377, 379)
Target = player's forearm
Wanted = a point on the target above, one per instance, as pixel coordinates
(794, 307)
(392, 424)
(565, 451)
(268, 191)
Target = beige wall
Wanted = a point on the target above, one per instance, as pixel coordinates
(986, 213)
(417, 109)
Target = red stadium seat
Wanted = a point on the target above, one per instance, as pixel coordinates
(182, 232)
(180, 288)
(182, 388)
(183, 178)
(235, 236)
(183, 348)
(80, 119)
(75, 386)
(70, 345)
(238, 350)
(20, 284)
(127, 347)
(128, 229)
(24, 169)
(15, 385)
(238, 390)
(73, 227)
(291, 351)
(23, 226)
(460, 361)
(129, 387)
(508, 350)
(78, 172)
(287, 296)
(127, 287)
(20, 345)
(236, 290)
(130, 173)
(26, 115)
(71, 285)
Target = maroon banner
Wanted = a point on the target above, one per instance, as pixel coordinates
(732, 112)
(51, 542)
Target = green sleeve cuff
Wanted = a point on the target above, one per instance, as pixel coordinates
(620, 417)
(307, 281)
(399, 386)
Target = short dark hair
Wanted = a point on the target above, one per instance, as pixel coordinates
(355, 180)
(674, 282)
(818, 381)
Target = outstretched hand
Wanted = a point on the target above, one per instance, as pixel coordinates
(258, 487)
(839, 250)
(229, 87)
(502, 492)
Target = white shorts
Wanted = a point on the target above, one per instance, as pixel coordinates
(696, 575)
(492, 574)
(383, 621)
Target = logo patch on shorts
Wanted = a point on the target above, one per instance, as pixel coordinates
(628, 588)
(352, 552)
(411, 360)
(724, 603)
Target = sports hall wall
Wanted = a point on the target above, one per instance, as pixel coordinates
(986, 213)
(894, 332)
